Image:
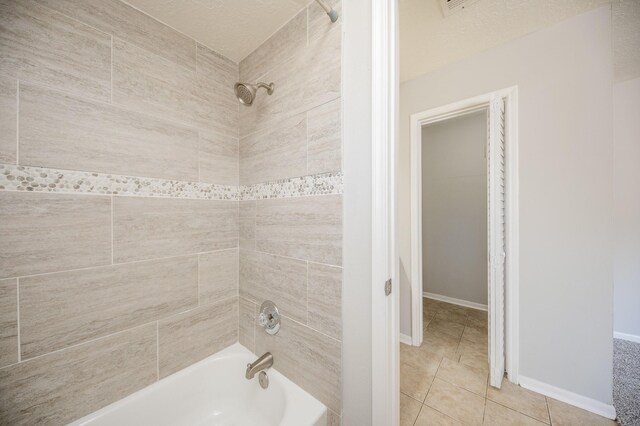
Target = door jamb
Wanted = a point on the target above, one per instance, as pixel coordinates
(441, 113)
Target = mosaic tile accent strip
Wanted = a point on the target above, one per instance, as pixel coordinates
(40, 179)
(320, 184)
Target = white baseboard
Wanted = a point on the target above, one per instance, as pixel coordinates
(405, 339)
(455, 301)
(625, 336)
(580, 401)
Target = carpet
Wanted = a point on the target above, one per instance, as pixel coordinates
(626, 381)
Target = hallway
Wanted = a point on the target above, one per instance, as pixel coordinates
(445, 381)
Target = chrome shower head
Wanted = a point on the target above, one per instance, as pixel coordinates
(246, 93)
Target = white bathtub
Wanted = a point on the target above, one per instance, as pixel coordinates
(214, 391)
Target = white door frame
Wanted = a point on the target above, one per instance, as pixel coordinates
(385, 343)
(512, 217)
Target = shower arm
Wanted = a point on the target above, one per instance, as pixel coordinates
(269, 87)
(333, 15)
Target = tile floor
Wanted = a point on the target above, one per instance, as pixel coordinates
(445, 381)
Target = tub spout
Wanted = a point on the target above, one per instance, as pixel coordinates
(262, 363)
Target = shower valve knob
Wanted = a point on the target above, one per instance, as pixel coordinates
(269, 317)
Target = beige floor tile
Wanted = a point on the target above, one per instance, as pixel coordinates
(497, 415)
(455, 402)
(467, 346)
(451, 328)
(464, 376)
(409, 409)
(477, 322)
(440, 343)
(522, 400)
(475, 359)
(459, 317)
(478, 335)
(414, 382)
(477, 313)
(430, 417)
(567, 415)
(420, 358)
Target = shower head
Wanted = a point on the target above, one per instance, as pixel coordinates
(333, 15)
(246, 93)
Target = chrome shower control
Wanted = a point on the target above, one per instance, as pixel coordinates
(269, 317)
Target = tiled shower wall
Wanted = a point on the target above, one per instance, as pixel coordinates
(118, 205)
(291, 247)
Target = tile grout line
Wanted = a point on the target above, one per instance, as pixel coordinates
(106, 265)
(157, 349)
(112, 253)
(134, 327)
(18, 318)
(17, 122)
(76, 345)
(111, 71)
(307, 291)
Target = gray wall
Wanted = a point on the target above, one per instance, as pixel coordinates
(564, 79)
(454, 208)
(626, 131)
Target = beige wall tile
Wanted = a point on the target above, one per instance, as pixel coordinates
(333, 419)
(520, 399)
(312, 360)
(53, 232)
(148, 83)
(279, 279)
(247, 218)
(307, 228)
(41, 46)
(218, 275)
(497, 415)
(151, 84)
(66, 385)
(218, 159)
(275, 153)
(325, 138)
(194, 335)
(146, 228)
(325, 299)
(67, 308)
(319, 23)
(288, 41)
(247, 323)
(8, 122)
(8, 322)
(563, 414)
(123, 21)
(456, 402)
(301, 83)
(60, 131)
(216, 103)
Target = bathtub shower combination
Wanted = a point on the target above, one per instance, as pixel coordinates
(215, 392)
(169, 172)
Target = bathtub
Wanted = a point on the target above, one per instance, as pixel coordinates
(214, 391)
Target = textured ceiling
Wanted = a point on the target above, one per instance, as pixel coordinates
(233, 28)
(429, 41)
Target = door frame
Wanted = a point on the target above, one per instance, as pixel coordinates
(385, 312)
(434, 115)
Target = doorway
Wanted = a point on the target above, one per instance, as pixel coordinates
(501, 225)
